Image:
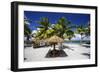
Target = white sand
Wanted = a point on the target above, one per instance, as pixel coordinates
(38, 54)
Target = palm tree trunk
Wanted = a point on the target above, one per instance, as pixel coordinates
(28, 37)
(61, 45)
(81, 40)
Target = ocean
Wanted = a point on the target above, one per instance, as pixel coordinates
(77, 41)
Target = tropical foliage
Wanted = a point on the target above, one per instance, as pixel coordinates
(27, 30)
(62, 29)
(83, 31)
(65, 25)
(44, 30)
(70, 34)
(87, 33)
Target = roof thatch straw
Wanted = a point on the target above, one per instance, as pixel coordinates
(39, 40)
(55, 39)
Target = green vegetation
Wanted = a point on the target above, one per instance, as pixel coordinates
(27, 30)
(46, 30)
(70, 34)
(83, 31)
(62, 29)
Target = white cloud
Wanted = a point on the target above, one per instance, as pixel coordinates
(78, 37)
(34, 31)
(38, 28)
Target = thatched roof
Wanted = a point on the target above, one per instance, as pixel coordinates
(55, 39)
(39, 40)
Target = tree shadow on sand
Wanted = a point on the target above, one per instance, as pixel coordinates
(55, 53)
(86, 54)
(58, 53)
(66, 47)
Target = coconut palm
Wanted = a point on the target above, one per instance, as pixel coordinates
(27, 30)
(44, 28)
(57, 28)
(47, 31)
(81, 30)
(87, 29)
(62, 28)
(70, 34)
(64, 25)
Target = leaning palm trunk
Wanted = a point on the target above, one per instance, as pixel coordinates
(28, 37)
(61, 45)
(81, 39)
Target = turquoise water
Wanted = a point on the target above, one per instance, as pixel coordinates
(76, 41)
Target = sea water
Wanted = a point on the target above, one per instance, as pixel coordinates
(77, 42)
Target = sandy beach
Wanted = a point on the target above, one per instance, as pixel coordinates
(76, 52)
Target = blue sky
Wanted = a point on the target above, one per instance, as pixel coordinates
(75, 18)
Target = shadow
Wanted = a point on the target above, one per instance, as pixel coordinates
(27, 43)
(66, 47)
(86, 44)
(55, 53)
(86, 54)
(25, 58)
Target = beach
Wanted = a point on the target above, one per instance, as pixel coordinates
(74, 52)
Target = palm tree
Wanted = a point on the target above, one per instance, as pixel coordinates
(87, 29)
(81, 30)
(57, 28)
(44, 28)
(70, 34)
(64, 26)
(27, 30)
